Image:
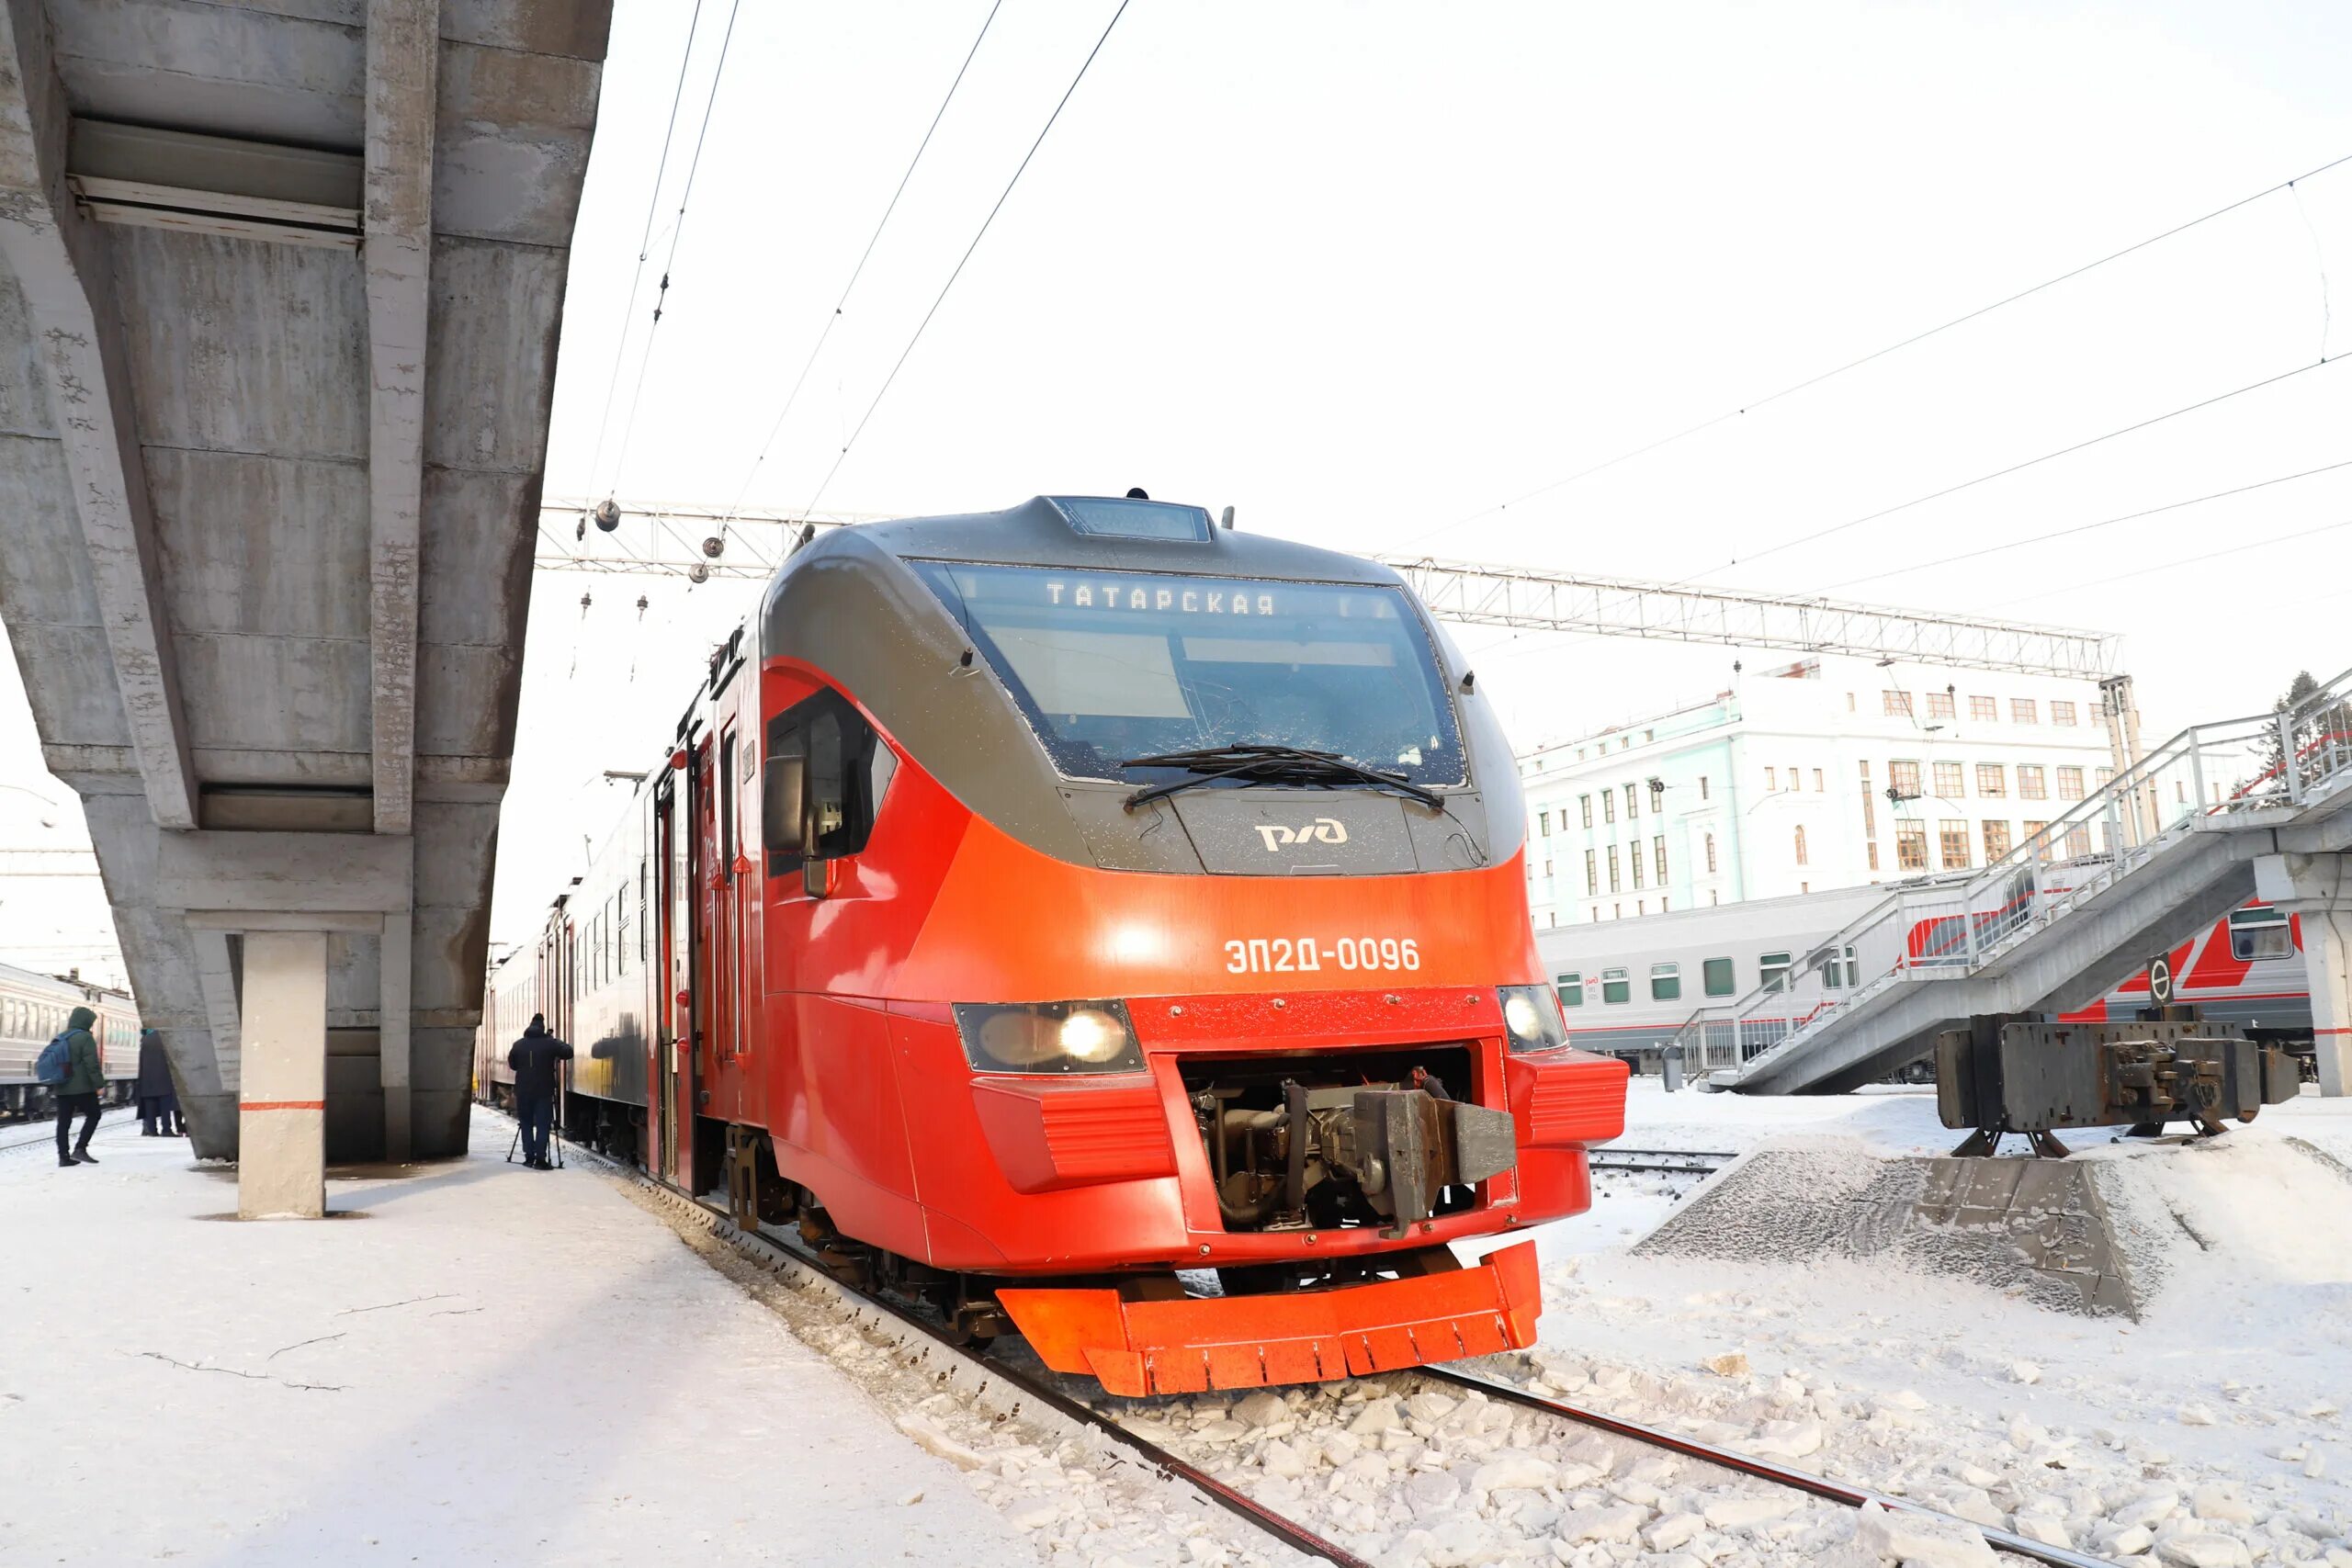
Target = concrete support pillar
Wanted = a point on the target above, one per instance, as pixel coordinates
(393, 1045)
(2327, 959)
(281, 1135)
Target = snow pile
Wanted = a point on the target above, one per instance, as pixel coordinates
(1412, 1474)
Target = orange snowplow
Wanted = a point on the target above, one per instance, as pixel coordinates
(1192, 1344)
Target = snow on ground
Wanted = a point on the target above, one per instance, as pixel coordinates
(2212, 1431)
(492, 1366)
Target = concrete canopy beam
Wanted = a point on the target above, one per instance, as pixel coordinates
(403, 56)
(293, 873)
(59, 260)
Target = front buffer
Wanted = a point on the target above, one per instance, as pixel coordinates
(1192, 1344)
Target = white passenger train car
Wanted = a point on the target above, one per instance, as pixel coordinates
(1628, 987)
(33, 1011)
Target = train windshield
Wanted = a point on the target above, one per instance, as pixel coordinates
(1110, 665)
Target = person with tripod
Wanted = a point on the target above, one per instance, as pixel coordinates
(534, 1059)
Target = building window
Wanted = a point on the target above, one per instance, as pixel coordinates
(1939, 704)
(1547, 871)
(2100, 777)
(1992, 780)
(1609, 806)
(1665, 982)
(1795, 782)
(1772, 780)
(1984, 710)
(2078, 840)
(1633, 853)
(1544, 823)
(1949, 782)
(1571, 987)
(1911, 846)
(1702, 788)
(2061, 713)
(1800, 854)
(1903, 777)
(1615, 988)
(1897, 703)
(1632, 802)
(1850, 702)
(2032, 782)
(1996, 842)
(2070, 782)
(1592, 874)
(1772, 971)
(1870, 817)
(1820, 785)
(1585, 801)
(1613, 868)
(2033, 830)
(1716, 977)
(1871, 850)
(1657, 851)
(1711, 854)
(2023, 711)
(1953, 833)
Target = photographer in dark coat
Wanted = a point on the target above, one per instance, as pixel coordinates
(534, 1059)
(159, 1100)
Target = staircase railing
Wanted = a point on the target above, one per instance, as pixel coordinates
(2208, 777)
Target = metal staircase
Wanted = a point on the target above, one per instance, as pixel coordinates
(2153, 855)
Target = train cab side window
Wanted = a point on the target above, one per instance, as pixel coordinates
(1665, 982)
(1571, 990)
(844, 770)
(1615, 988)
(2260, 934)
(1772, 971)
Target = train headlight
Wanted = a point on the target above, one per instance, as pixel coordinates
(1532, 1019)
(1050, 1037)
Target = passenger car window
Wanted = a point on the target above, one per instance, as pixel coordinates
(1716, 974)
(1665, 982)
(1571, 988)
(1774, 971)
(1615, 987)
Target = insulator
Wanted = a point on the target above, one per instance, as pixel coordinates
(714, 546)
(698, 573)
(608, 514)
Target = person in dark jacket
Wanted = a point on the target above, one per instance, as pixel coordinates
(159, 1103)
(85, 1079)
(534, 1058)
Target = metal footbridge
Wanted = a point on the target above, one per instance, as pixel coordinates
(2221, 813)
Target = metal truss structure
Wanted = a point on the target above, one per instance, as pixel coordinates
(656, 538)
(1538, 599)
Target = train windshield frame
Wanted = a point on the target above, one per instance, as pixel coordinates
(1108, 665)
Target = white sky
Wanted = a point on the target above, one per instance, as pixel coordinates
(1364, 270)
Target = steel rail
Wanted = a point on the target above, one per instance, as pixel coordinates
(1764, 1470)
(1679, 1161)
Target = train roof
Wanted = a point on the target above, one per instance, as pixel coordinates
(57, 986)
(1117, 534)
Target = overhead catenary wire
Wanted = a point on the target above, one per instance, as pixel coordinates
(840, 304)
(645, 240)
(2044, 538)
(1836, 528)
(1752, 404)
(899, 364)
(2104, 579)
(677, 232)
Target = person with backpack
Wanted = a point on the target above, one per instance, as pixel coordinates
(70, 1065)
(534, 1058)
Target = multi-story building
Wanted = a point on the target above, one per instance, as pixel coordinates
(1829, 773)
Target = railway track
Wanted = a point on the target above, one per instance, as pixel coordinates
(1010, 1392)
(1681, 1162)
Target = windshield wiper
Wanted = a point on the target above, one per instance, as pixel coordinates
(1271, 764)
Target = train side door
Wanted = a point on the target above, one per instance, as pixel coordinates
(726, 925)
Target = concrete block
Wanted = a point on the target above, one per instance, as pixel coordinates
(439, 1122)
(478, 530)
(261, 545)
(269, 73)
(276, 694)
(456, 851)
(45, 570)
(452, 955)
(24, 392)
(441, 1058)
(69, 681)
(577, 28)
(281, 1169)
(490, 371)
(511, 149)
(354, 979)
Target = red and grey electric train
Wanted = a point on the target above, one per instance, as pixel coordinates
(1037, 906)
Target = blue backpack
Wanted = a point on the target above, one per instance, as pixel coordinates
(56, 1060)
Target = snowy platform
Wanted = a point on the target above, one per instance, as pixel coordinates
(482, 1364)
